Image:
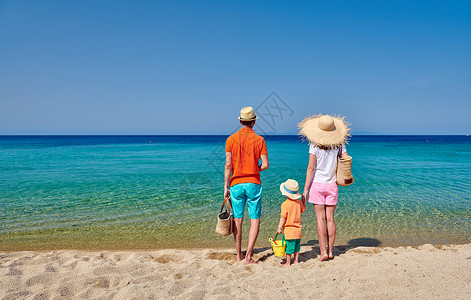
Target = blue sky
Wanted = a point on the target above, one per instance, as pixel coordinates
(188, 67)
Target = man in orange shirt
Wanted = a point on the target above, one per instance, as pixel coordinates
(244, 149)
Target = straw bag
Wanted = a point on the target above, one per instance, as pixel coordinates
(344, 170)
(225, 222)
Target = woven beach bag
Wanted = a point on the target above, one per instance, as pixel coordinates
(225, 222)
(344, 171)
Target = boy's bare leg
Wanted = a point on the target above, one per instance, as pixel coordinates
(321, 230)
(288, 261)
(296, 257)
(253, 234)
(331, 228)
(237, 232)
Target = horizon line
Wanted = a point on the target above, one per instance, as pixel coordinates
(274, 134)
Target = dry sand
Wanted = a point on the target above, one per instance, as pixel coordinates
(362, 272)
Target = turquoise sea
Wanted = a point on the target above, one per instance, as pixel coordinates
(142, 192)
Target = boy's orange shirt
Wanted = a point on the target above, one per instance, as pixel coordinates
(246, 147)
(291, 210)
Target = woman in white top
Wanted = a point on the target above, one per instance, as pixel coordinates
(327, 135)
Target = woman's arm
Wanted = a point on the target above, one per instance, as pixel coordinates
(311, 168)
(345, 154)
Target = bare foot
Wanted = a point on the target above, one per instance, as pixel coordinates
(286, 265)
(324, 257)
(331, 256)
(250, 262)
(296, 262)
(240, 257)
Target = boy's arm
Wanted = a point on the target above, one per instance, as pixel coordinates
(303, 204)
(281, 224)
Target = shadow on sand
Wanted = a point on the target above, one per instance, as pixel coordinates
(315, 251)
(338, 250)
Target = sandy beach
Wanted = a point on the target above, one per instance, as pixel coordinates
(437, 272)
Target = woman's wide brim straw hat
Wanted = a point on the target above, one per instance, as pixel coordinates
(247, 114)
(290, 189)
(325, 131)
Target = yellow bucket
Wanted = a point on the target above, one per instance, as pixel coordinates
(279, 246)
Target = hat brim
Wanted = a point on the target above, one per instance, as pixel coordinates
(309, 129)
(252, 119)
(285, 193)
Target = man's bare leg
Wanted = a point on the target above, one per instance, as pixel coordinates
(253, 234)
(237, 232)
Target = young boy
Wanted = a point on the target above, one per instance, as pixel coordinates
(290, 220)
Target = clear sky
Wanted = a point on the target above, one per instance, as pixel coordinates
(188, 67)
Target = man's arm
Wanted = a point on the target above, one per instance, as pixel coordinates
(227, 173)
(264, 164)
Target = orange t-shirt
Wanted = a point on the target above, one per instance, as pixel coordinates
(246, 147)
(291, 210)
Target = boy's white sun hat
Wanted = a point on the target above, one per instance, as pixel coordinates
(290, 189)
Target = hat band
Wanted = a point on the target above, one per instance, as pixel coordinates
(291, 192)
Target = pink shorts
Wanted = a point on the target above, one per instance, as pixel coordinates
(324, 193)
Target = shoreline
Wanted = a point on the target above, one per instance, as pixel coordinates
(442, 271)
(261, 244)
(338, 247)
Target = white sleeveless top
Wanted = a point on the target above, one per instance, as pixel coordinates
(326, 164)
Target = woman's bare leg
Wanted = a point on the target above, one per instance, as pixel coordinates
(321, 230)
(331, 228)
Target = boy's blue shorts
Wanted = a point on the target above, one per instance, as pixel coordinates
(293, 246)
(250, 193)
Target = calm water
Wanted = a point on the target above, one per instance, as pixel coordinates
(121, 192)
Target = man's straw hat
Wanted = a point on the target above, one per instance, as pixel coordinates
(247, 114)
(290, 189)
(325, 131)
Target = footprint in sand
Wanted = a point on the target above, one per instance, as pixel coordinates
(17, 295)
(164, 259)
(41, 279)
(221, 256)
(105, 270)
(101, 282)
(14, 272)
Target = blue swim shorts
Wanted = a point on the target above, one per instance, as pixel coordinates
(250, 193)
(293, 246)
